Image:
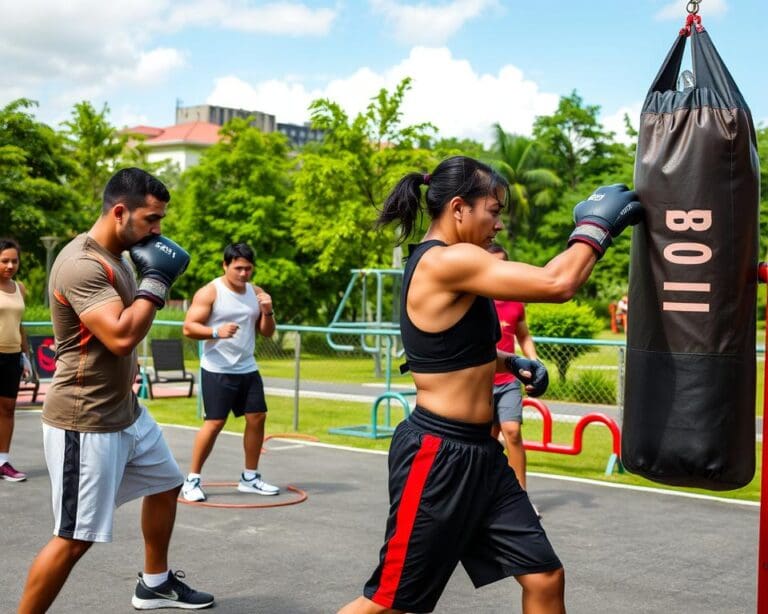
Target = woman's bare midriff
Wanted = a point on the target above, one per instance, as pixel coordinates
(463, 395)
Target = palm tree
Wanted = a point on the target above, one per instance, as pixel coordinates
(531, 187)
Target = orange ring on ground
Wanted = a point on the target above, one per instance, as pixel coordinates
(300, 499)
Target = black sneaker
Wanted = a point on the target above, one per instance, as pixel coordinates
(172, 593)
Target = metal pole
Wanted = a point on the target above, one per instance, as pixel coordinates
(296, 380)
(762, 556)
(620, 384)
(49, 243)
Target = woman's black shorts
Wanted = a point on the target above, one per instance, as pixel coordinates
(453, 498)
(10, 374)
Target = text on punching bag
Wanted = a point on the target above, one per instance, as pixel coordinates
(688, 254)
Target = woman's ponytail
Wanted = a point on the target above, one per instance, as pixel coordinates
(403, 204)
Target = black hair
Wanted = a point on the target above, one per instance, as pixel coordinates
(7, 243)
(233, 251)
(456, 176)
(130, 186)
(495, 248)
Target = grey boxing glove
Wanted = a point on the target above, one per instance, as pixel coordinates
(159, 262)
(539, 378)
(604, 215)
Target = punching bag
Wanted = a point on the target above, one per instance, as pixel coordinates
(689, 401)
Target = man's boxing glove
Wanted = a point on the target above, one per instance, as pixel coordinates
(539, 378)
(159, 262)
(604, 215)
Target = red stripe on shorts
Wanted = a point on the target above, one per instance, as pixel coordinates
(397, 547)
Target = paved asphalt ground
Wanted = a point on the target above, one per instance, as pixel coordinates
(625, 551)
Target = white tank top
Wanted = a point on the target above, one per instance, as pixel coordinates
(233, 355)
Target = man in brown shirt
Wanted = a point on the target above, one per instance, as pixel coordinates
(91, 412)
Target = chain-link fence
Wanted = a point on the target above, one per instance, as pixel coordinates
(585, 371)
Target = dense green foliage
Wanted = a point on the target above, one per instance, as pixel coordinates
(568, 321)
(310, 214)
(340, 184)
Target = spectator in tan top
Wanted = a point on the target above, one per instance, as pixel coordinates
(14, 363)
(91, 412)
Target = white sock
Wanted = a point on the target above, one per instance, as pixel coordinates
(249, 474)
(153, 580)
(192, 476)
(4, 457)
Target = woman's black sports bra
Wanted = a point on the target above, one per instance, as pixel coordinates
(470, 342)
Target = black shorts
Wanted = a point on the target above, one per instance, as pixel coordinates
(242, 393)
(10, 374)
(453, 498)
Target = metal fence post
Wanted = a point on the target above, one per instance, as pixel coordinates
(620, 384)
(296, 380)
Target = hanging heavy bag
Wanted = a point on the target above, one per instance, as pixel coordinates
(689, 402)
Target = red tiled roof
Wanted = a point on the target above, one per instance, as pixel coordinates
(202, 133)
(199, 133)
(149, 131)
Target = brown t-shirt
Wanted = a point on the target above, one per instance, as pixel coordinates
(92, 389)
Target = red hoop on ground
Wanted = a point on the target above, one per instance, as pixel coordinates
(302, 496)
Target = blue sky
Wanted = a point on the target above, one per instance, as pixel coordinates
(474, 62)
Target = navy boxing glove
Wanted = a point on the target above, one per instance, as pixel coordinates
(604, 215)
(159, 262)
(539, 377)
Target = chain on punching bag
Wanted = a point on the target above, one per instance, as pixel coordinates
(689, 416)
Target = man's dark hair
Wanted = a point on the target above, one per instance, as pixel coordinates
(495, 248)
(238, 250)
(7, 243)
(130, 186)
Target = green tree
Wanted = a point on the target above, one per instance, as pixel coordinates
(451, 146)
(35, 199)
(762, 146)
(95, 148)
(574, 143)
(567, 321)
(532, 188)
(340, 184)
(238, 192)
(585, 156)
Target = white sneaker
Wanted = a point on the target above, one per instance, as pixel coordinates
(192, 491)
(256, 485)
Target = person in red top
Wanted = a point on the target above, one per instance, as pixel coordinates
(507, 394)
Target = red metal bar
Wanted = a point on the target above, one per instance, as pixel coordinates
(762, 555)
(546, 445)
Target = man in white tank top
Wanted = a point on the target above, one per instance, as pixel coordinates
(227, 314)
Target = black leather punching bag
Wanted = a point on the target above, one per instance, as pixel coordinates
(689, 402)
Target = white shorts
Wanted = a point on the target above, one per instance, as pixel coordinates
(94, 473)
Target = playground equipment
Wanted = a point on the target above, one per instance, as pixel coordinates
(371, 311)
(374, 430)
(378, 293)
(546, 445)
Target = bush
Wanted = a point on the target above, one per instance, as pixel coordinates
(588, 387)
(569, 320)
(37, 313)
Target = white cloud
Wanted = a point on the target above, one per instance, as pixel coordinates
(677, 10)
(445, 91)
(615, 121)
(293, 18)
(90, 48)
(427, 24)
(154, 65)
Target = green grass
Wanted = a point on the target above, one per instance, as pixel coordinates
(316, 416)
(332, 369)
